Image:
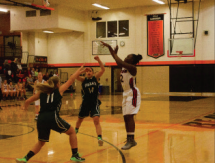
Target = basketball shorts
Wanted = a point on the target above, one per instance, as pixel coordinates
(50, 121)
(37, 102)
(131, 101)
(89, 108)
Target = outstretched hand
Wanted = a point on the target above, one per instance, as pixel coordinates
(105, 44)
(82, 69)
(96, 58)
(116, 49)
(113, 52)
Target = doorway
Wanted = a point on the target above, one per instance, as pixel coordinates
(116, 86)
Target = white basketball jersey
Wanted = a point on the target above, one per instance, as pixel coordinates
(5, 86)
(127, 80)
(10, 87)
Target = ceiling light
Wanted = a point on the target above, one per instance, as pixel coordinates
(98, 5)
(158, 1)
(3, 10)
(48, 31)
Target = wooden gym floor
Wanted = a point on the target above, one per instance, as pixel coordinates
(169, 129)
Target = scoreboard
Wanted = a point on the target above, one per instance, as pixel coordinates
(40, 59)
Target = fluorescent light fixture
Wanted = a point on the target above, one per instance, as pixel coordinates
(3, 10)
(98, 5)
(48, 31)
(158, 1)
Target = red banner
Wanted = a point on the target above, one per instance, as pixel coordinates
(155, 35)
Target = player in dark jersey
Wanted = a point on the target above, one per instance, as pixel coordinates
(90, 103)
(50, 95)
(131, 94)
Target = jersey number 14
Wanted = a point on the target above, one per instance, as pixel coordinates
(91, 90)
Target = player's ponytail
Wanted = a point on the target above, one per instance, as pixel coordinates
(49, 86)
(137, 58)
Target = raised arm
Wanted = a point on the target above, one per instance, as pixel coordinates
(100, 73)
(72, 78)
(131, 68)
(79, 78)
(31, 99)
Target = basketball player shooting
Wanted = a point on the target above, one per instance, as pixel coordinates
(131, 94)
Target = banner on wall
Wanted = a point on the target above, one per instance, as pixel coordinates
(155, 32)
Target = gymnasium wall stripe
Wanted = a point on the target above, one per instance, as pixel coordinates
(157, 63)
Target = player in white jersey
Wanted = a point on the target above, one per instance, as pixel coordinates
(5, 90)
(131, 94)
(37, 102)
(12, 90)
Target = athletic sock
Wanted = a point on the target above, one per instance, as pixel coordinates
(74, 151)
(29, 155)
(99, 136)
(130, 136)
(76, 130)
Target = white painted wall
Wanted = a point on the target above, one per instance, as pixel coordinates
(19, 21)
(66, 47)
(41, 44)
(31, 43)
(24, 41)
(71, 19)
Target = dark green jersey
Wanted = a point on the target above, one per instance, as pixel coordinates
(90, 89)
(50, 102)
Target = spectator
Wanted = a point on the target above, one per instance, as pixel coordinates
(18, 62)
(38, 68)
(30, 83)
(19, 75)
(46, 76)
(16, 78)
(32, 72)
(13, 67)
(19, 91)
(4, 88)
(29, 71)
(55, 74)
(36, 73)
(12, 90)
(6, 65)
(51, 74)
(9, 75)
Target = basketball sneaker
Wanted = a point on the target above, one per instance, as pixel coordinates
(21, 160)
(130, 143)
(100, 141)
(76, 157)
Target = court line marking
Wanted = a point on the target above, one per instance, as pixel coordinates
(20, 125)
(180, 123)
(122, 155)
(106, 141)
